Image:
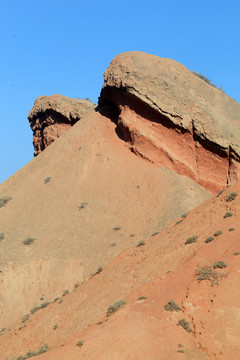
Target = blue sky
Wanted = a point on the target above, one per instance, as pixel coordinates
(64, 47)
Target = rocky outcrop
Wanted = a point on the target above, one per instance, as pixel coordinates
(171, 117)
(51, 116)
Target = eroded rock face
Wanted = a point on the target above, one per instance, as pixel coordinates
(51, 116)
(171, 117)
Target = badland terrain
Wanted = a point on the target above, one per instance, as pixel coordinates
(121, 238)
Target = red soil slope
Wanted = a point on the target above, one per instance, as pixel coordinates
(163, 269)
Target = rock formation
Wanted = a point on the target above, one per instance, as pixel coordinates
(171, 117)
(52, 116)
(105, 255)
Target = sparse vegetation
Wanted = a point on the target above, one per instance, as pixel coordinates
(172, 306)
(1, 236)
(80, 343)
(55, 327)
(155, 233)
(236, 253)
(141, 243)
(41, 306)
(231, 229)
(116, 228)
(44, 348)
(47, 180)
(2, 331)
(219, 264)
(209, 239)
(28, 241)
(184, 215)
(185, 325)
(217, 233)
(208, 273)
(4, 200)
(65, 292)
(132, 235)
(227, 214)
(98, 270)
(83, 205)
(113, 308)
(220, 192)
(179, 221)
(25, 318)
(191, 240)
(113, 244)
(231, 196)
(207, 80)
(180, 351)
(142, 298)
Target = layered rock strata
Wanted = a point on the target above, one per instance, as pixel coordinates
(173, 118)
(51, 116)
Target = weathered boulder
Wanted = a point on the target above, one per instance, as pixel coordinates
(51, 116)
(171, 117)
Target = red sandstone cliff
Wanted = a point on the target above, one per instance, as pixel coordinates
(171, 117)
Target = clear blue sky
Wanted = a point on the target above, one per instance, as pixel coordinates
(64, 47)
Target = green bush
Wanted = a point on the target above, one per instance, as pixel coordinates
(142, 298)
(31, 353)
(231, 229)
(172, 306)
(219, 264)
(83, 205)
(98, 270)
(80, 343)
(179, 221)
(47, 180)
(1, 236)
(231, 196)
(220, 192)
(36, 308)
(227, 214)
(113, 308)
(28, 241)
(116, 228)
(25, 318)
(185, 325)
(4, 200)
(208, 273)
(141, 243)
(217, 233)
(209, 239)
(191, 240)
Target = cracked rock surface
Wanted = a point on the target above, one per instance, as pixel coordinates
(171, 117)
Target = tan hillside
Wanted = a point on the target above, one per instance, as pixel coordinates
(96, 187)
